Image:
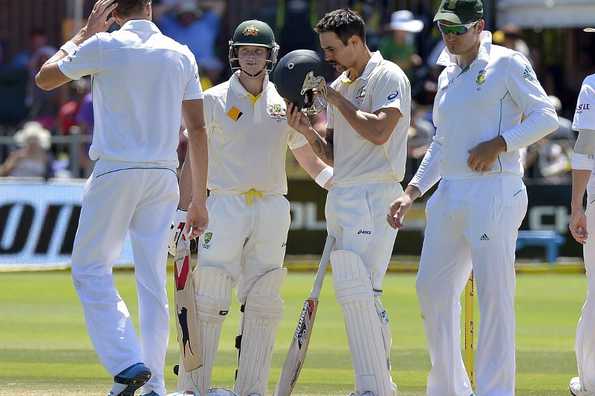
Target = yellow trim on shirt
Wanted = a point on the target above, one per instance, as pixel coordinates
(253, 98)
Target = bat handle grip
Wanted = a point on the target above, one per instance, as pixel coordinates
(324, 261)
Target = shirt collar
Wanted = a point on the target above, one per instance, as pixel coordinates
(485, 47)
(236, 86)
(370, 66)
(140, 25)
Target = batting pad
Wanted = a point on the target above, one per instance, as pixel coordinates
(262, 314)
(213, 298)
(353, 290)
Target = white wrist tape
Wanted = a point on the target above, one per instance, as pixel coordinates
(582, 161)
(69, 47)
(324, 176)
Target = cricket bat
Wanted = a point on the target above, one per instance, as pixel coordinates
(301, 338)
(186, 311)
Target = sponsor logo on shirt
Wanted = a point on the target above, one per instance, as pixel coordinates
(364, 232)
(234, 113)
(581, 107)
(529, 74)
(393, 96)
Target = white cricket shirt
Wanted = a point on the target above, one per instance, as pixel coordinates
(248, 138)
(584, 117)
(487, 99)
(357, 160)
(140, 78)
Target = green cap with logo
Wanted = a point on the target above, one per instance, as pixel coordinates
(253, 32)
(459, 11)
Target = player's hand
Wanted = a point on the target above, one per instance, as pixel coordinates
(398, 209)
(297, 120)
(483, 156)
(578, 225)
(197, 219)
(331, 95)
(99, 20)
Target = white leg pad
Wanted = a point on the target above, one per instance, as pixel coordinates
(213, 298)
(353, 290)
(262, 314)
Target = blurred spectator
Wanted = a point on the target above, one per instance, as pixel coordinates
(193, 26)
(296, 31)
(399, 47)
(69, 111)
(32, 159)
(549, 158)
(13, 89)
(370, 11)
(511, 36)
(44, 105)
(210, 72)
(37, 39)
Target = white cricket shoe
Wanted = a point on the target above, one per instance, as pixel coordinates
(576, 388)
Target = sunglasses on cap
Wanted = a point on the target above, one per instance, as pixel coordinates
(457, 30)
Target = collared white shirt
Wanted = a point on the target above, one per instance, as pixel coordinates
(357, 160)
(248, 138)
(584, 117)
(140, 78)
(487, 99)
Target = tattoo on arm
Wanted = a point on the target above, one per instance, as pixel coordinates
(323, 147)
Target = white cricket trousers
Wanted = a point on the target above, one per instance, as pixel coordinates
(585, 332)
(356, 218)
(245, 239)
(471, 224)
(118, 198)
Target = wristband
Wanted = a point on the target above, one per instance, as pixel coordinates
(69, 47)
(324, 176)
(582, 161)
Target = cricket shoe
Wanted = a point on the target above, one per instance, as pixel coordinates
(152, 393)
(130, 379)
(576, 389)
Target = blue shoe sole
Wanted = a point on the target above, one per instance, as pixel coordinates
(134, 383)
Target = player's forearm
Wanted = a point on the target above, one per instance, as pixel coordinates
(536, 126)
(198, 154)
(367, 125)
(428, 172)
(322, 147)
(580, 178)
(185, 183)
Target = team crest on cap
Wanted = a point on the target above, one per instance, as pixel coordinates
(251, 31)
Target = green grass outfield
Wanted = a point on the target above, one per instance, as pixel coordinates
(44, 349)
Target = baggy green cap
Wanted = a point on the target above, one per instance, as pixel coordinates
(459, 11)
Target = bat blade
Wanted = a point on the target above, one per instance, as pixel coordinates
(298, 348)
(186, 311)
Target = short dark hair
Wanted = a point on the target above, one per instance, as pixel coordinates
(344, 23)
(127, 8)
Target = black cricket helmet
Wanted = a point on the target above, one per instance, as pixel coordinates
(300, 77)
(256, 33)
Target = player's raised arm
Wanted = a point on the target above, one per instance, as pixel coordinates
(80, 56)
